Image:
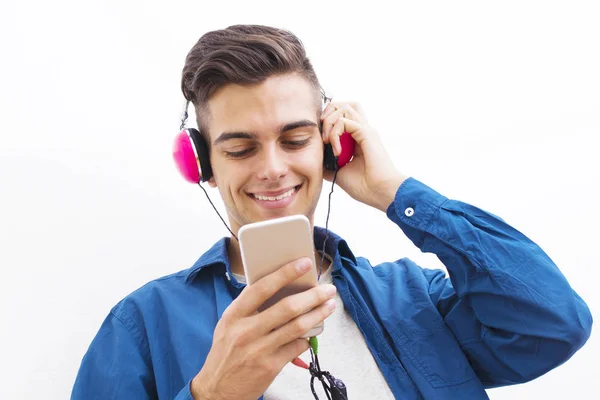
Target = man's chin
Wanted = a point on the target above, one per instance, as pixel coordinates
(264, 215)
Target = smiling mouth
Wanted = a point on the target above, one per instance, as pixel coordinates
(276, 198)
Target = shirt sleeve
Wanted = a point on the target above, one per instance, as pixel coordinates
(185, 393)
(508, 305)
(117, 365)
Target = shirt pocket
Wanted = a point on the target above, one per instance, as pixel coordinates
(429, 344)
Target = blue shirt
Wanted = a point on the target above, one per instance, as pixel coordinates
(505, 315)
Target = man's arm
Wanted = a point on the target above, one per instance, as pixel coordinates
(508, 305)
(117, 365)
(247, 351)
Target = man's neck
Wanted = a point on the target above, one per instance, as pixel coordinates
(235, 257)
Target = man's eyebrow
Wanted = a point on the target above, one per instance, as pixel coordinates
(247, 135)
(295, 125)
(233, 135)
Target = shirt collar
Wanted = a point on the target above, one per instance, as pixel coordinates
(217, 255)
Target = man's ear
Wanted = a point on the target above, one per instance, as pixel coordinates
(212, 183)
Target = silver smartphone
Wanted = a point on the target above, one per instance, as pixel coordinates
(268, 245)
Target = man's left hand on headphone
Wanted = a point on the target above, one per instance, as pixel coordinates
(371, 176)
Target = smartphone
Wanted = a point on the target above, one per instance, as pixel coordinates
(268, 245)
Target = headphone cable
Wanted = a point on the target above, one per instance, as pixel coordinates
(219, 214)
(326, 220)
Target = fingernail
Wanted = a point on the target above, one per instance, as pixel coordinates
(303, 265)
(330, 290)
(330, 304)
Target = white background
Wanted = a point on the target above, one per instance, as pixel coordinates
(493, 103)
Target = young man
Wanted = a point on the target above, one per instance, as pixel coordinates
(505, 315)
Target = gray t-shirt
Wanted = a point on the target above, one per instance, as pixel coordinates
(343, 352)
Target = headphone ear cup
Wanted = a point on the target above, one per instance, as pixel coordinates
(190, 154)
(329, 159)
(202, 154)
(185, 158)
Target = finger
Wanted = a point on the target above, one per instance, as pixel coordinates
(300, 325)
(343, 112)
(334, 106)
(291, 350)
(331, 107)
(352, 110)
(329, 121)
(293, 306)
(327, 124)
(354, 128)
(334, 136)
(344, 125)
(253, 296)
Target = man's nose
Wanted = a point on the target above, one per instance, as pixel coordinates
(274, 164)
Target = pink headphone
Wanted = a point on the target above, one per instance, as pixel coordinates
(190, 152)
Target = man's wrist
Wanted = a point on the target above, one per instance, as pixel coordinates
(387, 195)
(198, 391)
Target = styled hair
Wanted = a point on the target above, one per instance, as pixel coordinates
(242, 55)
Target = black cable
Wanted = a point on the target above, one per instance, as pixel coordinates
(327, 222)
(315, 367)
(184, 118)
(211, 203)
(331, 391)
(334, 388)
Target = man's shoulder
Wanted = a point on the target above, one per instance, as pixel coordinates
(160, 294)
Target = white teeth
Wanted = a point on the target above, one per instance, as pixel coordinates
(283, 196)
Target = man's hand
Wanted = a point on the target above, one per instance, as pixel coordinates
(249, 349)
(370, 177)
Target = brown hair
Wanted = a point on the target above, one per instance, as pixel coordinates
(243, 55)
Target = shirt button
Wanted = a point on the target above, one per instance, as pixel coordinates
(409, 212)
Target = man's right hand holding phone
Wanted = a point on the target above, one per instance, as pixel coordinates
(249, 349)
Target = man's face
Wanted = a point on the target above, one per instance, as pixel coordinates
(266, 149)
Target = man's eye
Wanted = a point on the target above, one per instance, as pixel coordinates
(238, 154)
(296, 143)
